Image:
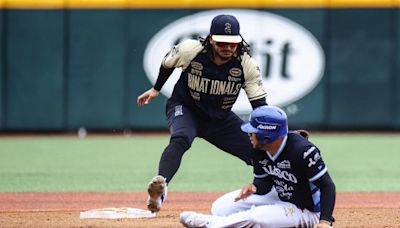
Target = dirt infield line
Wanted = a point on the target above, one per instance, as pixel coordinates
(49, 210)
(72, 201)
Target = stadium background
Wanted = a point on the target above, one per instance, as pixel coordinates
(71, 64)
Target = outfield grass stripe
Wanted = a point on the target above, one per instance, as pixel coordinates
(357, 162)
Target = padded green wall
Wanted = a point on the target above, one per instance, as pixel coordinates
(97, 69)
(395, 115)
(361, 57)
(35, 69)
(2, 69)
(150, 116)
(313, 102)
(65, 69)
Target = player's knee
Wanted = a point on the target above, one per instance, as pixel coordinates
(218, 209)
(225, 205)
(181, 141)
(215, 208)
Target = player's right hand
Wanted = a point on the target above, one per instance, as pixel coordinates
(147, 96)
(323, 224)
(246, 191)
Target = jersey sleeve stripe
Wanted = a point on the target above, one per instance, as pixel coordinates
(261, 176)
(318, 174)
(257, 97)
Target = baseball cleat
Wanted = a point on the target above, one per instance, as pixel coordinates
(191, 219)
(157, 190)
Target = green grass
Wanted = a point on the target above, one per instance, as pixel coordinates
(362, 162)
(357, 162)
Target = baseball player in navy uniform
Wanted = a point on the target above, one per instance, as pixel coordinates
(213, 72)
(291, 186)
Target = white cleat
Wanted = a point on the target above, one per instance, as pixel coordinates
(191, 219)
(157, 190)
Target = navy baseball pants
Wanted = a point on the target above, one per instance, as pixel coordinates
(185, 125)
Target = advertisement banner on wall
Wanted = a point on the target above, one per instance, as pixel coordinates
(290, 58)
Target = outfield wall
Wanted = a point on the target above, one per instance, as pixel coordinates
(70, 64)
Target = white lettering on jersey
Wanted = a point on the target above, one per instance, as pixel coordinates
(197, 83)
(314, 160)
(274, 171)
(224, 87)
(283, 189)
(308, 152)
(263, 162)
(214, 87)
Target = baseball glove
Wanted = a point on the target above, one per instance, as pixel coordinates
(303, 133)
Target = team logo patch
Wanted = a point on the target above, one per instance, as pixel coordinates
(228, 28)
(284, 164)
(235, 72)
(178, 110)
(289, 211)
(196, 65)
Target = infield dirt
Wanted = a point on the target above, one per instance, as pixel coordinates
(62, 209)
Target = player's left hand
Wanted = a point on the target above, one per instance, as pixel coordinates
(246, 191)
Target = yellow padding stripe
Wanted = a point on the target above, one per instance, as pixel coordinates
(194, 4)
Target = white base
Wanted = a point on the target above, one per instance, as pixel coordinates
(116, 213)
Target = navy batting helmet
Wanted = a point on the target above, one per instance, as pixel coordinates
(268, 123)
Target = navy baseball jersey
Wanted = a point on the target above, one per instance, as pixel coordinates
(292, 170)
(209, 89)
